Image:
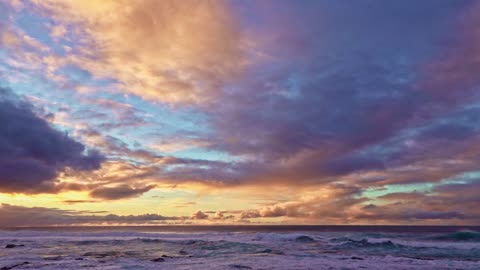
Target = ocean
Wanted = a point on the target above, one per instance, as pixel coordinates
(241, 247)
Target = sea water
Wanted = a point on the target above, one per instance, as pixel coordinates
(241, 247)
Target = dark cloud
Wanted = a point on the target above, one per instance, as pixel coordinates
(119, 192)
(32, 153)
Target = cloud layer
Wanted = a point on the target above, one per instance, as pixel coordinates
(18, 216)
(367, 111)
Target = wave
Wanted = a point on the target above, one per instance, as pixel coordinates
(461, 236)
(411, 249)
(282, 237)
(367, 243)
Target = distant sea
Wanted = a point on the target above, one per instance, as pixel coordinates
(255, 228)
(241, 247)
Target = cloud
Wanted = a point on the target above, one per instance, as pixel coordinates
(218, 216)
(467, 189)
(4, 14)
(401, 196)
(169, 51)
(79, 201)
(116, 147)
(319, 110)
(119, 192)
(323, 96)
(199, 215)
(314, 104)
(120, 115)
(450, 203)
(351, 101)
(222, 216)
(247, 214)
(176, 143)
(454, 202)
(17, 216)
(20, 216)
(451, 76)
(185, 204)
(410, 215)
(329, 204)
(33, 153)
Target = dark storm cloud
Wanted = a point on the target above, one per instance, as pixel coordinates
(32, 152)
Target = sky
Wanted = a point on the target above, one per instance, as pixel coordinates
(147, 112)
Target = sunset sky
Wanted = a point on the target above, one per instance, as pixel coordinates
(239, 112)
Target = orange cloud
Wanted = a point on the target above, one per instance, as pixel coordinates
(167, 51)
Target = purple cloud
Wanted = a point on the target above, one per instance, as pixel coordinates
(14, 216)
(119, 192)
(32, 153)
